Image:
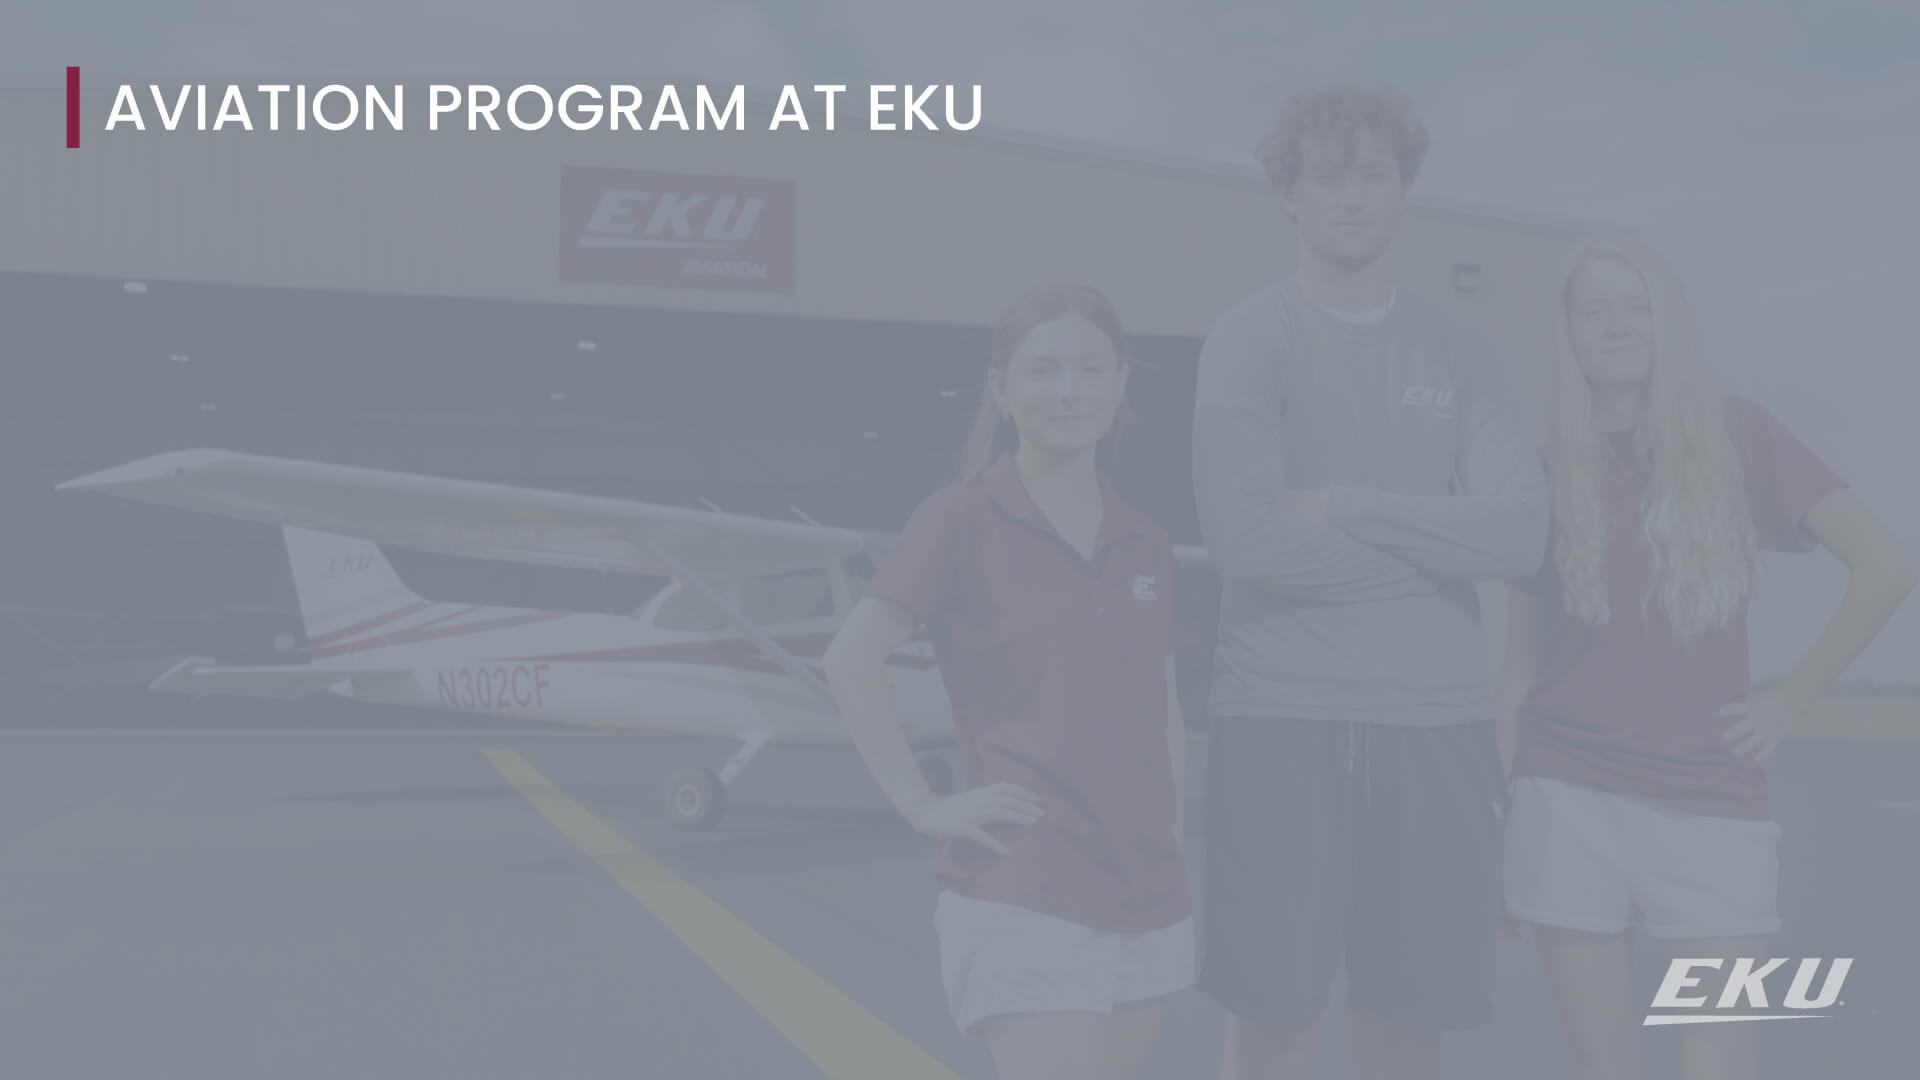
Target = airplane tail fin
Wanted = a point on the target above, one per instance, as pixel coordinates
(344, 584)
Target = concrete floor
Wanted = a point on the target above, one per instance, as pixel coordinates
(189, 893)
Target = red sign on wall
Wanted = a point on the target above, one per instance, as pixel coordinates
(676, 230)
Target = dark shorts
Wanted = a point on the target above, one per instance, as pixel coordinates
(1370, 843)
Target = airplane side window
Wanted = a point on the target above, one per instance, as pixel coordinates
(860, 570)
(686, 611)
(758, 600)
(807, 595)
(765, 601)
(787, 598)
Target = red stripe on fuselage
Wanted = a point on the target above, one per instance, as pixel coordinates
(468, 610)
(409, 637)
(723, 652)
(332, 636)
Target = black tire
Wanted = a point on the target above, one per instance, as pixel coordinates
(939, 774)
(697, 800)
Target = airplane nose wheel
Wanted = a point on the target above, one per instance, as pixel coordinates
(697, 800)
(939, 774)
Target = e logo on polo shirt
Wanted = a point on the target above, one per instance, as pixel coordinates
(1143, 587)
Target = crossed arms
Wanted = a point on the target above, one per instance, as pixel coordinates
(1367, 544)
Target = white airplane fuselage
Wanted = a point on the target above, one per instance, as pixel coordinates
(729, 650)
(617, 672)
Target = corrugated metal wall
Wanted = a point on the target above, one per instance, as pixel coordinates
(912, 228)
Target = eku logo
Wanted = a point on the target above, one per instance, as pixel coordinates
(340, 565)
(677, 219)
(1747, 981)
(1143, 587)
(1439, 401)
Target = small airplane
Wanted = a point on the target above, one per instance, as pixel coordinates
(729, 649)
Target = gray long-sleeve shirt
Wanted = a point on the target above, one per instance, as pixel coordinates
(1435, 484)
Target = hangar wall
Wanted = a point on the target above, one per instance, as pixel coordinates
(421, 303)
(900, 227)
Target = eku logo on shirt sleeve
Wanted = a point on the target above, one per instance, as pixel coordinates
(1143, 587)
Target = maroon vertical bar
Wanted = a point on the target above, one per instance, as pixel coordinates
(73, 108)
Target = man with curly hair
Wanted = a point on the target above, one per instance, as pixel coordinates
(1357, 467)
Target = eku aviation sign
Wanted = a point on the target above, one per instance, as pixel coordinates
(676, 230)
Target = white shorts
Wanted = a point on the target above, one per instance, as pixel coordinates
(1590, 860)
(998, 959)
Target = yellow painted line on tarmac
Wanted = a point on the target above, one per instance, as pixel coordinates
(844, 1040)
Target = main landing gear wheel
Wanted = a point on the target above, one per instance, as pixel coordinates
(939, 774)
(697, 800)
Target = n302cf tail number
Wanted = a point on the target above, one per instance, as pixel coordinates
(494, 686)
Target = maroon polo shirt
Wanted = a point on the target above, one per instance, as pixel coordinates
(1056, 667)
(1629, 708)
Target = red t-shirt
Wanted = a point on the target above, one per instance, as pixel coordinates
(1056, 667)
(1627, 707)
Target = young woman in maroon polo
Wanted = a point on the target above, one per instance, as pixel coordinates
(1633, 740)
(1064, 917)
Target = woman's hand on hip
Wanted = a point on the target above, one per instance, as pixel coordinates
(1761, 722)
(965, 815)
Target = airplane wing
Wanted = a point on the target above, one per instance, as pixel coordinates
(199, 676)
(469, 518)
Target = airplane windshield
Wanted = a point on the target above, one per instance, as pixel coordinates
(786, 598)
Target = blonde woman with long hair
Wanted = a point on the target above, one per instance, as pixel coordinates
(1632, 736)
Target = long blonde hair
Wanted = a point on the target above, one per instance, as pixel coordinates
(1695, 517)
